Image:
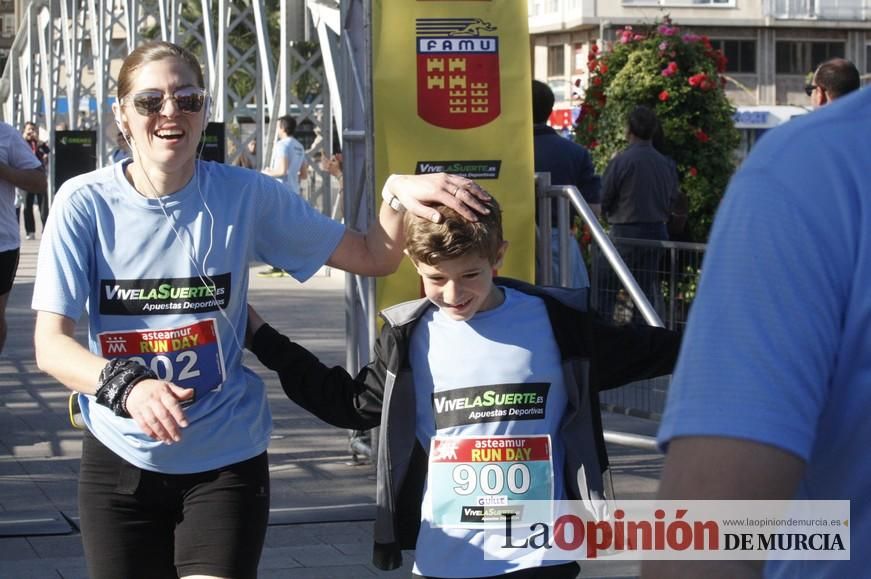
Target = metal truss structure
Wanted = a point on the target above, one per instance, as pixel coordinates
(63, 65)
(62, 74)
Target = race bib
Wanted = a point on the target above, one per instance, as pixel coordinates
(476, 481)
(188, 356)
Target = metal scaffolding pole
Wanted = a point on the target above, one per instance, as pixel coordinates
(63, 65)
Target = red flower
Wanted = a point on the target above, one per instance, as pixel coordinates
(597, 80)
(663, 96)
(593, 144)
(591, 65)
(697, 79)
(694, 171)
(586, 236)
(603, 68)
(701, 136)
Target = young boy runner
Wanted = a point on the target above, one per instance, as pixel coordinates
(482, 362)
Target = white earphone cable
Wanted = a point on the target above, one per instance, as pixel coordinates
(190, 249)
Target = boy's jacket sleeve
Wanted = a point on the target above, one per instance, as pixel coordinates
(624, 354)
(331, 394)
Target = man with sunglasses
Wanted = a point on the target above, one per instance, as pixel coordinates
(833, 79)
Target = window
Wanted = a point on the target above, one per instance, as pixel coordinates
(8, 29)
(868, 58)
(694, 3)
(795, 57)
(556, 61)
(543, 7)
(740, 54)
(579, 63)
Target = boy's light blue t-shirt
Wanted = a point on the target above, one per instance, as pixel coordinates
(142, 270)
(503, 354)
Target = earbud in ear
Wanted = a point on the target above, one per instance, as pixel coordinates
(119, 124)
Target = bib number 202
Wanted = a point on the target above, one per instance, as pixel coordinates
(164, 367)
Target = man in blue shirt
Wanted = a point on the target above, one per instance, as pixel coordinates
(770, 397)
(288, 167)
(288, 156)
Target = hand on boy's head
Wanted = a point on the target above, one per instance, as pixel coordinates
(419, 193)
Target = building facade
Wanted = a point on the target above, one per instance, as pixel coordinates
(771, 45)
(8, 26)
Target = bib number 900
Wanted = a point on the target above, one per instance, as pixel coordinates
(492, 479)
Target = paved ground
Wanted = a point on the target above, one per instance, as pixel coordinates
(322, 506)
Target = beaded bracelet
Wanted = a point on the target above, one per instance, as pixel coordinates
(117, 379)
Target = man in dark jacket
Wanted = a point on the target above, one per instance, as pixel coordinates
(568, 164)
(639, 188)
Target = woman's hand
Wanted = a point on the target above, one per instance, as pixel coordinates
(155, 405)
(418, 193)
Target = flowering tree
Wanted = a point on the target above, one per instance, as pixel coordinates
(679, 76)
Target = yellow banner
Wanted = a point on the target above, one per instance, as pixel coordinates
(451, 82)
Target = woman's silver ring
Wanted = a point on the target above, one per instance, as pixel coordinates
(456, 190)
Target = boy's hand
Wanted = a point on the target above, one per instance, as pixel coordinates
(418, 192)
(254, 323)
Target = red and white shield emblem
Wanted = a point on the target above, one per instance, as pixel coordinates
(457, 72)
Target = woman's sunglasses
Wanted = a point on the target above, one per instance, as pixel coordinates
(809, 89)
(150, 102)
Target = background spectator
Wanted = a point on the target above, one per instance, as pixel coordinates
(833, 79)
(35, 199)
(568, 164)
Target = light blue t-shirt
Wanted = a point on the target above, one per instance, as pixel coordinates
(292, 150)
(141, 269)
(778, 346)
(497, 374)
(15, 153)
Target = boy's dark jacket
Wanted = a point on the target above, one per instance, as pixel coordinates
(595, 356)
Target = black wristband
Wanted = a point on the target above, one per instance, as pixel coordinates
(117, 379)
